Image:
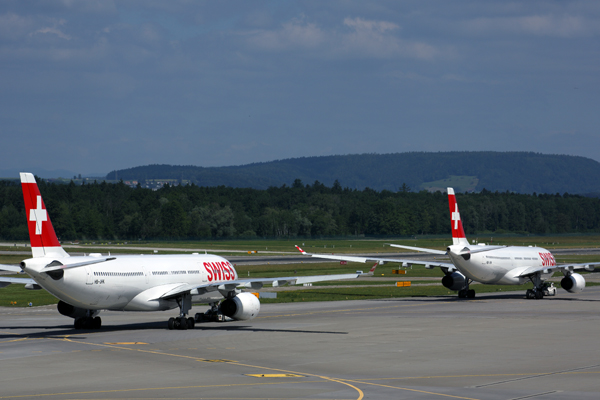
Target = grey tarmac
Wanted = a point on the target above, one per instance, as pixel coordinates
(496, 346)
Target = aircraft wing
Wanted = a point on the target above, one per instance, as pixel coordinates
(405, 262)
(256, 284)
(562, 268)
(432, 251)
(474, 249)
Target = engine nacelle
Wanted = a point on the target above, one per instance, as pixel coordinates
(573, 283)
(454, 281)
(71, 311)
(242, 307)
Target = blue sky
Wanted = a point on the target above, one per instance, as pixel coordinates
(92, 86)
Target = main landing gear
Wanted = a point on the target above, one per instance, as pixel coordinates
(534, 294)
(465, 292)
(540, 288)
(213, 314)
(182, 323)
(88, 322)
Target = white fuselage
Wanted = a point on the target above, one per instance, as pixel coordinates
(130, 283)
(501, 266)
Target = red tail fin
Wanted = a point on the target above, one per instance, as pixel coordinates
(458, 233)
(41, 233)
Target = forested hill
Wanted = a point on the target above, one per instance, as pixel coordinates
(520, 172)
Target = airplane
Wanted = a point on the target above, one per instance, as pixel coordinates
(497, 265)
(85, 285)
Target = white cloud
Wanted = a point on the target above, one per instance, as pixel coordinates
(293, 34)
(53, 31)
(539, 25)
(363, 25)
(357, 37)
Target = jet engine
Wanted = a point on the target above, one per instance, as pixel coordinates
(71, 311)
(454, 281)
(573, 283)
(242, 307)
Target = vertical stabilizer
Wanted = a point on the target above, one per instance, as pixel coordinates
(41, 233)
(458, 233)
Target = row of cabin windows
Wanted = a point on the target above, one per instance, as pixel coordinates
(118, 273)
(175, 272)
(142, 274)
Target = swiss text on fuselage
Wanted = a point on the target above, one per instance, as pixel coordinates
(219, 271)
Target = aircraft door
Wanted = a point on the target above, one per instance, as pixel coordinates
(146, 274)
(202, 273)
(89, 280)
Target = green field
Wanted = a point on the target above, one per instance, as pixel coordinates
(326, 246)
(18, 296)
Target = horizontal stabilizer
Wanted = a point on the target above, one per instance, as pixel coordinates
(4, 281)
(55, 265)
(11, 268)
(481, 249)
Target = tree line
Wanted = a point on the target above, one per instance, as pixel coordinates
(115, 211)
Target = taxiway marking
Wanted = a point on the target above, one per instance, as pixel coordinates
(411, 390)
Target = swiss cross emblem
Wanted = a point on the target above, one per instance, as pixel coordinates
(38, 215)
(456, 216)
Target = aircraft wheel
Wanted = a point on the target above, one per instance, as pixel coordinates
(183, 323)
(539, 295)
(96, 323)
(462, 294)
(471, 294)
(78, 323)
(191, 323)
(171, 323)
(529, 294)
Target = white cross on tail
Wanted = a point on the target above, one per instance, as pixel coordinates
(456, 216)
(38, 215)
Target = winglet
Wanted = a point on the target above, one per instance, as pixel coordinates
(41, 232)
(372, 270)
(458, 233)
(300, 250)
